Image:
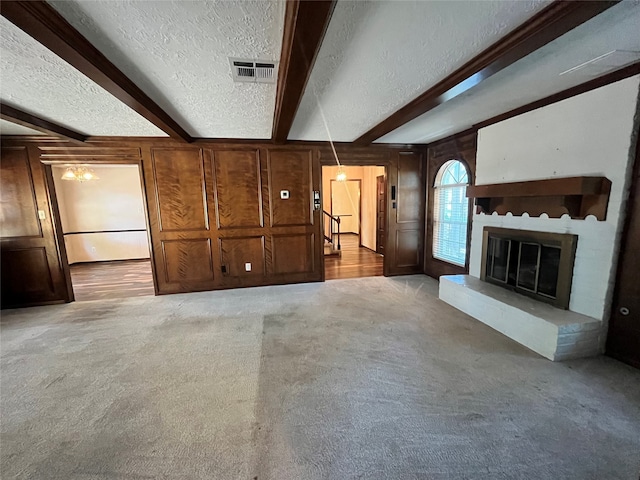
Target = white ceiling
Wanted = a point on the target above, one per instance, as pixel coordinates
(535, 76)
(8, 128)
(177, 53)
(39, 82)
(378, 56)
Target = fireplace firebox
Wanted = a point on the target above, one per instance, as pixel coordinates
(537, 264)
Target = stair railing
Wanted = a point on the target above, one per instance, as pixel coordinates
(334, 229)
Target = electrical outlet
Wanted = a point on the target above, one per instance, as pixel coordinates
(247, 267)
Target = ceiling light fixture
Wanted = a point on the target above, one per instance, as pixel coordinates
(341, 176)
(79, 174)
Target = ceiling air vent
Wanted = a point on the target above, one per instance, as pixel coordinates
(253, 71)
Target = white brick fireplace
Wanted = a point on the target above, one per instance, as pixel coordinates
(591, 135)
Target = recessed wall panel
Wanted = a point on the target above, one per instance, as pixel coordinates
(31, 267)
(407, 248)
(410, 189)
(18, 208)
(293, 253)
(187, 260)
(290, 171)
(243, 257)
(238, 188)
(180, 189)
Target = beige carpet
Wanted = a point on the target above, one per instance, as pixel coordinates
(367, 378)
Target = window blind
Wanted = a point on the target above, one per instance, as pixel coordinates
(451, 210)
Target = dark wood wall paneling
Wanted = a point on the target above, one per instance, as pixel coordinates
(212, 208)
(462, 147)
(32, 270)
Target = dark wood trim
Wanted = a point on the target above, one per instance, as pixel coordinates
(56, 220)
(535, 188)
(576, 196)
(111, 142)
(42, 22)
(107, 231)
(628, 242)
(552, 22)
(626, 72)
(459, 147)
(120, 260)
(20, 117)
(305, 24)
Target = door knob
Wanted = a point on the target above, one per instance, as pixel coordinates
(624, 311)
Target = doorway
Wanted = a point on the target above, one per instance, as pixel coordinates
(354, 228)
(102, 216)
(623, 338)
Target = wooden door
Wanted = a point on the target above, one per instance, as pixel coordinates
(623, 340)
(405, 219)
(381, 203)
(32, 267)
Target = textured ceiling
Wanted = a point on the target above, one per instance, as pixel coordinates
(177, 53)
(39, 82)
(8, 128)
(378, 56)
(534, 77)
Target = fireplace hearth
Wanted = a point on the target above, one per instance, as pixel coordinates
(536, 264)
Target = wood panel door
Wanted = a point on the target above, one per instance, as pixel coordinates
(623, 340)
(405, 207)
(32, 271)
(381, 209)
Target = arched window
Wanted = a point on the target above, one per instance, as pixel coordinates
(450, 213)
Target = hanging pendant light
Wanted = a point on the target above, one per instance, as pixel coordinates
(341, 176)
(69, 174)
(79, 174)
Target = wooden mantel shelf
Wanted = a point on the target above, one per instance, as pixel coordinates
(575, 196)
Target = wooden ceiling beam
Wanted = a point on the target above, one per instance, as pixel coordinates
(550, 23)
(42, 22)
(19, 117)
(304, 27)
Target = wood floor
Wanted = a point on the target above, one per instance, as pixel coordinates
(355, 262)
(121, 279)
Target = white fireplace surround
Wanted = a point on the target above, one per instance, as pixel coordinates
(553, 333)
(586, 135)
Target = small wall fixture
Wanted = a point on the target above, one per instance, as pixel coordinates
(79, 174)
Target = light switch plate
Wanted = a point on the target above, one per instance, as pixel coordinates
(41, 215)
(284, 194)
(247, 267)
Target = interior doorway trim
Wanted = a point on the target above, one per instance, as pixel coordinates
(355, 163)
(82, 158)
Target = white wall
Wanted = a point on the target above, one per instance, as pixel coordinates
(114, 202)
(589, 134)
(369, 205)
(368, 194)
